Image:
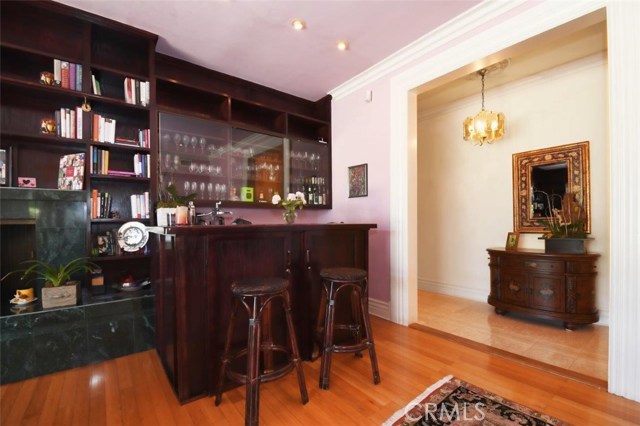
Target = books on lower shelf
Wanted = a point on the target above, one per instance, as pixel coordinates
(69, 123)
(140, 206)
(71, 171)
(101, 203)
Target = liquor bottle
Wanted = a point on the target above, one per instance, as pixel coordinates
(324, 192)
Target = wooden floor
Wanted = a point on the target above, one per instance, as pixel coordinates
(584, 351)
(133, 390)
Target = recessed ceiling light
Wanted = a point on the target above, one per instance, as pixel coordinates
(342, 44)
(298, 24)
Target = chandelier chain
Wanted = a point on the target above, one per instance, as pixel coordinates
(483, 89)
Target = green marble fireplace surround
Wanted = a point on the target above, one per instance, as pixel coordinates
(40, 341)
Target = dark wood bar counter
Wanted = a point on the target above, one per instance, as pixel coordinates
(192, 271)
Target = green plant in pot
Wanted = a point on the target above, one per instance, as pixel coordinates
(170, 200)
(567, 223)
(58, 288)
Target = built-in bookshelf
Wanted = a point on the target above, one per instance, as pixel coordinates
(75, 84)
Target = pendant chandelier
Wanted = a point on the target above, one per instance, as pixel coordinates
(486, 126)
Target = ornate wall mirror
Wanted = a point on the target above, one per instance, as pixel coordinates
(549, 171)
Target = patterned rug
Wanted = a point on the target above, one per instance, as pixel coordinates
(452, 402)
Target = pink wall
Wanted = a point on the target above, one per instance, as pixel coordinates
(361, 135)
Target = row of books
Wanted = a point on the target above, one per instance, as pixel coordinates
(143, 140)
(100, 204)
(69, 122)
(100, 164)
(140, 206)
(67, 74)
(136, 92)
(104, 129)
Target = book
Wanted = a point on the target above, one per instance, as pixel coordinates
(72, 76)
(71, 172)
(57, 71)
(64, 74)
(79, 77)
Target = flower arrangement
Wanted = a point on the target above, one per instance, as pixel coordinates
(290, 204)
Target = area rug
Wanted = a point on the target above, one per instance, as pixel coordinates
(453, 402)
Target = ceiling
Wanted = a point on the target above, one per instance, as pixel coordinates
(253, 40)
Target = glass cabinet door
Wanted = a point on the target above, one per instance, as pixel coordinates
(309, 162)
(194, 156)
(218, 162)
(256, 166)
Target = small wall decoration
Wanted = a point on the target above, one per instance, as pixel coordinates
(26, 182)
(358, 181)
(512, 241)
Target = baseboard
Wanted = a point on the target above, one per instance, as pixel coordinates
(604, 317)
(379, 309)
(453, 290)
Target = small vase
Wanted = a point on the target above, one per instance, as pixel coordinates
(290, 217)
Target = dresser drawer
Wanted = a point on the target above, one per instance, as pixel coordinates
(549, 266)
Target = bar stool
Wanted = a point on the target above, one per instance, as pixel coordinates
(256, 295)
(334, 281)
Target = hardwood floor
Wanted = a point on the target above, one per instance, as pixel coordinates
(583, 351)
(133, 390)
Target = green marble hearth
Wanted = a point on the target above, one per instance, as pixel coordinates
(36, 341)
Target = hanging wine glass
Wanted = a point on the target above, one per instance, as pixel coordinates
(210, 189)
(203, 144)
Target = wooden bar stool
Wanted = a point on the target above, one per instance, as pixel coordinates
(256, 295)
(334, 281)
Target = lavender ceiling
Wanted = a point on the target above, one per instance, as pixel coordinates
(253, 40)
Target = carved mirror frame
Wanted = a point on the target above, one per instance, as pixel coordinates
(576, 156)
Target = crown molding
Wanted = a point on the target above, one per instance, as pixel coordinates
(432, 41)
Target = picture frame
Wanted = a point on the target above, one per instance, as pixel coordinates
(358, 181)
(512, 241)
(4, 167)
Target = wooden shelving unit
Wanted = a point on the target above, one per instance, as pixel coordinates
(36, 33)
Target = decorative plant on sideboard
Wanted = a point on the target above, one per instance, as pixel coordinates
(566, 223)
(58, 288)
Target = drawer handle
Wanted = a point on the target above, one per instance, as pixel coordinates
(532, 264)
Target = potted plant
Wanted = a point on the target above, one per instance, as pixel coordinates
(170, 200)
(565, 229)
(58, 289)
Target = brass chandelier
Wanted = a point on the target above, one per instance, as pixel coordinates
(486, 126)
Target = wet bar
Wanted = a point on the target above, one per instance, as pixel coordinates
(192, 271)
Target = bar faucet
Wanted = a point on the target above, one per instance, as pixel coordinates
(216, 215)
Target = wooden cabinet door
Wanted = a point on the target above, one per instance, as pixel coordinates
(330, 248)
(547, 292)
(513, 287)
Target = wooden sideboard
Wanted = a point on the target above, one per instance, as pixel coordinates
(553, 286)
(192, 271)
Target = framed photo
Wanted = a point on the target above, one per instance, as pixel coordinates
(4, 167)
(512, 241)
(358, 181)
